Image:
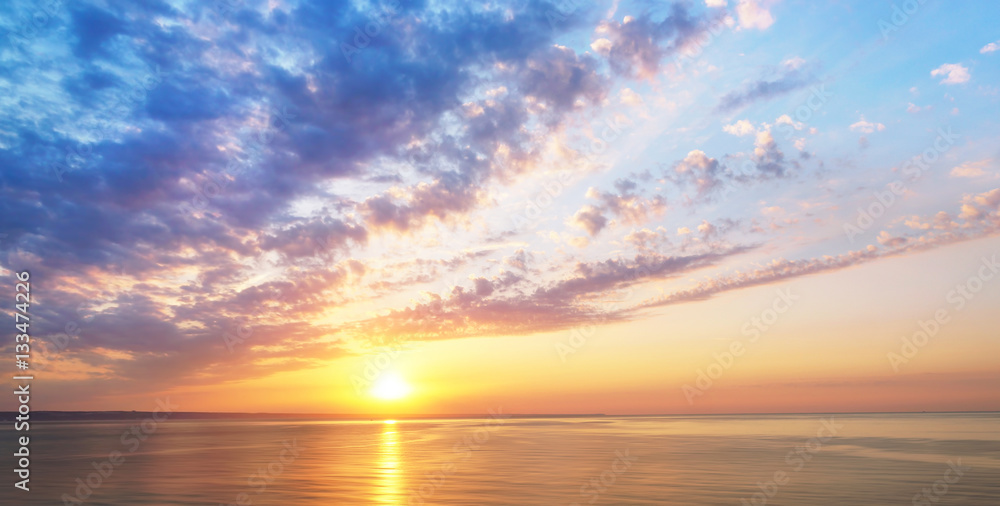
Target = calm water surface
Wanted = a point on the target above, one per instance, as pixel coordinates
(871, 459)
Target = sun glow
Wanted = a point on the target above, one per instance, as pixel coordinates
(390, 386)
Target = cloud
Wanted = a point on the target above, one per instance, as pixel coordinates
(646, 240)
(981, 213)
(508, 305)
(772, 272)
(769, 159)
(93, 28)
(626, 204)
(752, 15)
(635, 46)
(955, 73)
(988, 202)
(785, 119)
(971, 169)
(794, 62)
(707, 229)
(989, 48)
(519, 260)
(886, 239)
(740, 128)
(561, 79)
(789, 76)
(590, 219)
(451, 194)
(710, 177)
(195, 176)
(630, 97)
(211, 170)
(305, 239)
(700, 170)
(866, 127)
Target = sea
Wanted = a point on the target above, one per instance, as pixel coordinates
(811, 459)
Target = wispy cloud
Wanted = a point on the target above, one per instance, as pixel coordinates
(954, 73)
(791, 75)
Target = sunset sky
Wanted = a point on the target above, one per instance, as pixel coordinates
(540, 208)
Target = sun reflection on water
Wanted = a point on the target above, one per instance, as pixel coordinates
(391, 485)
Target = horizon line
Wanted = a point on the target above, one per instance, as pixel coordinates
(481, 415)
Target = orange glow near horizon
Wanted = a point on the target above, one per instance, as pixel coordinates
(826, 354)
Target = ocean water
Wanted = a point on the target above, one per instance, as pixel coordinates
(876, 459)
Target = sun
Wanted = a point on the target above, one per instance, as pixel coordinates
(390, 386)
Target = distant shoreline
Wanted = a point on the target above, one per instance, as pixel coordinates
(73, 416)
(59, 416)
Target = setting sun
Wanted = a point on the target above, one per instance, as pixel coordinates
(391, 386)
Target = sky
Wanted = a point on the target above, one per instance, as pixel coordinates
(406, 207)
